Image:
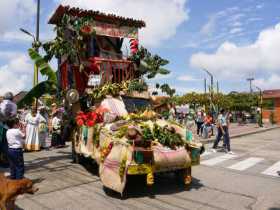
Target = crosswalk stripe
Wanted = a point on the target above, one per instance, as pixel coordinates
(245, 164)
(217, 160)
(272, 171)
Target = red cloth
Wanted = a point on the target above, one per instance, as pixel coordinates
(63, 75)
(80, 79)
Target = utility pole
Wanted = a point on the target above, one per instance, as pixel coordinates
(35, 45)
(250, 80)
(261, 104)
(218, 88)
(36, 74)
(205, 85)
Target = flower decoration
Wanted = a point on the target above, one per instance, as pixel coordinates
(89, 119)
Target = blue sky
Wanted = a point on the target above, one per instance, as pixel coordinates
(232, 39)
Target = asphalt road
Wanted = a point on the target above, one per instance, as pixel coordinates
(246, 180)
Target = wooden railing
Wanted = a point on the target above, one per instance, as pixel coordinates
(113, 70)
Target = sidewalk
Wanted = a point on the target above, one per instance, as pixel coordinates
(236, 131)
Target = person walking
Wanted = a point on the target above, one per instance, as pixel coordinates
(15, 139)
(223, 131)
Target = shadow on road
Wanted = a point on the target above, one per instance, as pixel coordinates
(44, 161)
(274, 208)
(165, 184)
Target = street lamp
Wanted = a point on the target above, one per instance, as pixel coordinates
(212, 78)
(35, 44)
(28, 33)
(261, 103)
(250, 80)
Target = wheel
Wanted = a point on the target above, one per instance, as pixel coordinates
(184, 176)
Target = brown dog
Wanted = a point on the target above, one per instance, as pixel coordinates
(10, 189)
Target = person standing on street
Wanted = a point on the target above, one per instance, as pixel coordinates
(32, 121)
(15, 139)
(199, 120)
(8, 110)
(56, 130)
(223, 131)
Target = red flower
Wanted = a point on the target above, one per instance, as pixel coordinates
(90, 123)
(80, 122)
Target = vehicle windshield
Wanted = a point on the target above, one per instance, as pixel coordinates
(133, 104)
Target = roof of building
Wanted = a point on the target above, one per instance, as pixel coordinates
(19, 96)
(271, 93)
(97, 15)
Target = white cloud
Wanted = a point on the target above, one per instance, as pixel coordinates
(14, 14)
(162, 17)
(231, 60)
(16, 75)
(273, 82)
(187, 78)
(210, 26)
(259, 6)
(235, 30)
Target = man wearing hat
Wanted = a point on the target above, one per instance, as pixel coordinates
(8, 110)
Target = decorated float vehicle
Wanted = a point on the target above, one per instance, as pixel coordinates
(115, 123)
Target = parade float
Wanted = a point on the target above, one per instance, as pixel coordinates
(115, 124)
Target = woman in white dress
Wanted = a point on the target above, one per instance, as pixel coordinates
(32, 141)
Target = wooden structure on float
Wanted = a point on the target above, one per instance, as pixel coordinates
(103, 51)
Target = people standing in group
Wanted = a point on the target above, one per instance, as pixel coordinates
(199, 120)
(56, 131)
(32, 121)
(222, 131)
(15, 139)
(8, 111)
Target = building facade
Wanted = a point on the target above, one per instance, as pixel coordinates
(271, 109)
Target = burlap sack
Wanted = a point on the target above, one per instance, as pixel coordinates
(167, 159)
(109, 170)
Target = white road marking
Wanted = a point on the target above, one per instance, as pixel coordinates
(272, 171)
(245, 164)
(217, 160)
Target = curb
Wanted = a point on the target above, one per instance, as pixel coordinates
(211, 140)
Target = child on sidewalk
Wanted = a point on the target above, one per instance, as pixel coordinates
(15, 139)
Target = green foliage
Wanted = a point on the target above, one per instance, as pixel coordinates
(149, 65)
(165, 88)
(136, 85)
(231, 101)
(42, 65)
(147, 134)
(69, 41)
(167, 137)
(37, 92)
